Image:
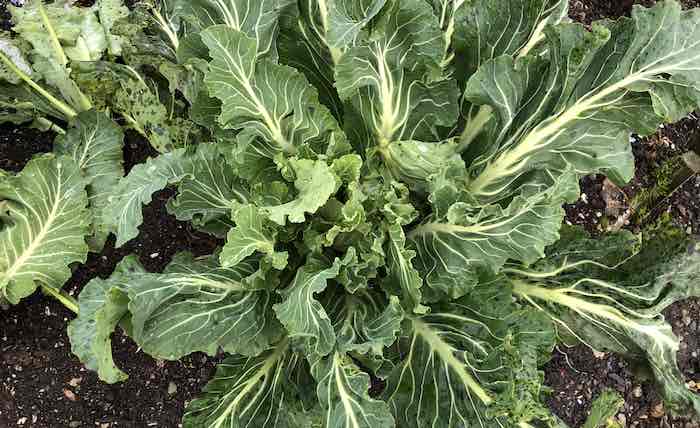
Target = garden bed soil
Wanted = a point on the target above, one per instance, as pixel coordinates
(43, 385)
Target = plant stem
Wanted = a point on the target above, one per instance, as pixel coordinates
(167, 29)
(50, 126)
(67, 301)
(64, 108)
(474, 127)
(63, 60)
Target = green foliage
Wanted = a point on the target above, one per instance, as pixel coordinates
(388, 177)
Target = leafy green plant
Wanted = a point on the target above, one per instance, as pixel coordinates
(388, 177)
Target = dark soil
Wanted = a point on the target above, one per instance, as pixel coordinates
(44, 386)
(587, 11)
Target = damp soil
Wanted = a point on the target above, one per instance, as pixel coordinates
(43, 385)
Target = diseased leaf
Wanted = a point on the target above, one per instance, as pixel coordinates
(608, 310)
(12, 56)
(95, 144)
(384, 80)
(45, 220)
(455, 362)
(111, 11)
(59, 34)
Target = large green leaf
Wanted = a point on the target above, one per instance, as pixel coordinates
(463, 370)
(211, 190)
(123, 215)
(384, 80)
(614, 308)
(486, 29)
(454, 251)
(265, 391)
(580, 107)
(95, 143)
(208, 189)
(45, 220)
(274, 106)
(257, 19)
(198, 306)
(343, 392)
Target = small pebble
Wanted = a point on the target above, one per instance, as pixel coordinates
(637, 391)
(658, 410)
(70, 395)
(155, 255)
(172, 388)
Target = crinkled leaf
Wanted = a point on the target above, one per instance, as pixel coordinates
(365, 322)
(253, 232)
(45, 220)
(315, 183)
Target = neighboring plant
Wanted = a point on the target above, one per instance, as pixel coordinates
(388, 176)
